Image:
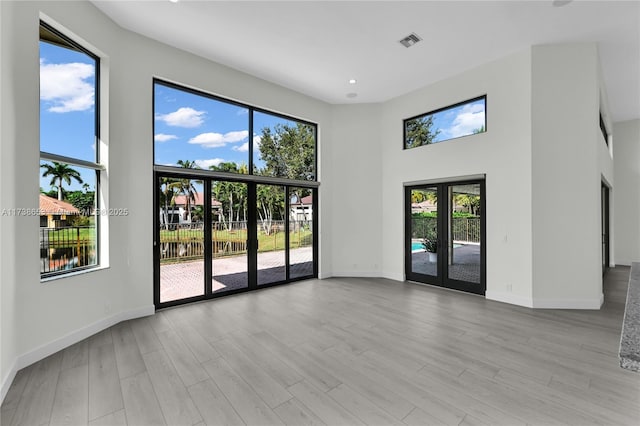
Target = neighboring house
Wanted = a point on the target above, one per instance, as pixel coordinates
(178, 209)
(54, 213)
(301, 208)
(425, 206)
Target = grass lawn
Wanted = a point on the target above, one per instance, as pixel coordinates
(272, 242)
(68, 237)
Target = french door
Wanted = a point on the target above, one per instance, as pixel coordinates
(444, 235)
(220, 236)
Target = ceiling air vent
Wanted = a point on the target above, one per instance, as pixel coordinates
(410, 40)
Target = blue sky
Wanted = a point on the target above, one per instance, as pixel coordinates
(187, 126)
(67, 108)
(459, 121)
(204, 130)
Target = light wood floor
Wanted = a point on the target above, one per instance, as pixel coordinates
(341, 352)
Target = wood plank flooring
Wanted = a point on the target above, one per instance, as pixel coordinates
(341, 352)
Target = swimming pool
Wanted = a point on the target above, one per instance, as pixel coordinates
(418, 246)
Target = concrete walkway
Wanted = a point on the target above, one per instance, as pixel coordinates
(465, 265)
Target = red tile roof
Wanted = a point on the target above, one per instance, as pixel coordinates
(181, 200)
(304, 201)
(51, 206)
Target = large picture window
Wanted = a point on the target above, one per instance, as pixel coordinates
(70, 166)
(455, 121)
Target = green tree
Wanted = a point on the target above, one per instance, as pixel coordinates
(53, 193)
(288, 151)
(59, 173)
(83, 201)
(232, 195)
(270, 206)
(418, 196)
(419, 131)
(167, 197)
(471, 202)
(480, 129)
(186, 187)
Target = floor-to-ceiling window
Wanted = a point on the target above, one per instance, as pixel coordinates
(235, 196)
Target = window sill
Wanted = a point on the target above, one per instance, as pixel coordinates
(72, 274)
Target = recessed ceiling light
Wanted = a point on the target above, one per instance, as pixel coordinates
(353, 81)
(174, 1)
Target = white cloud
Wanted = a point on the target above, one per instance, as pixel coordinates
(470, 118)
(205, 164)
(242, 148)
(217, 140)
(65, 87)
(161, 137)
(183, 117)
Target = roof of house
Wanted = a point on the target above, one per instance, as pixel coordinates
(304, 201)
(51, 206)
(181, 200)
(423, 205)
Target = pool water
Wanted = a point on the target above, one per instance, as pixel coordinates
(418, 246)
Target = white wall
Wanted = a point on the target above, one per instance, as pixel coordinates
(626, 137)
(567, 266)
(539, 157)
(38, 318)
(356, 214)
(503, 154)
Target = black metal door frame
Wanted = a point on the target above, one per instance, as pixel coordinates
(604, 208)
(252, 237)
(442, 278)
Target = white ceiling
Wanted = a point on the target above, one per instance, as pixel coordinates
(315, 47)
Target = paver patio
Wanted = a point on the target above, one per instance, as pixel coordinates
(185, 279)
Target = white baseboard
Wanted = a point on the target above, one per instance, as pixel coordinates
(396, 276)
(545, 303)
(569, 303)
(7, 380)
(356, 274)
(63, 342)
(510, 298)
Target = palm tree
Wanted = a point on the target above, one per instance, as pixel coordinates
(60, 172)
(167, 195)
(186, 187)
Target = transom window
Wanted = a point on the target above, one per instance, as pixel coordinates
(451, 122)
(201, 131)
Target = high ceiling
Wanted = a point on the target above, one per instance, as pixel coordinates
(316, 47)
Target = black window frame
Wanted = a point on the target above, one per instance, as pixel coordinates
(439, 110)
(603, 130)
